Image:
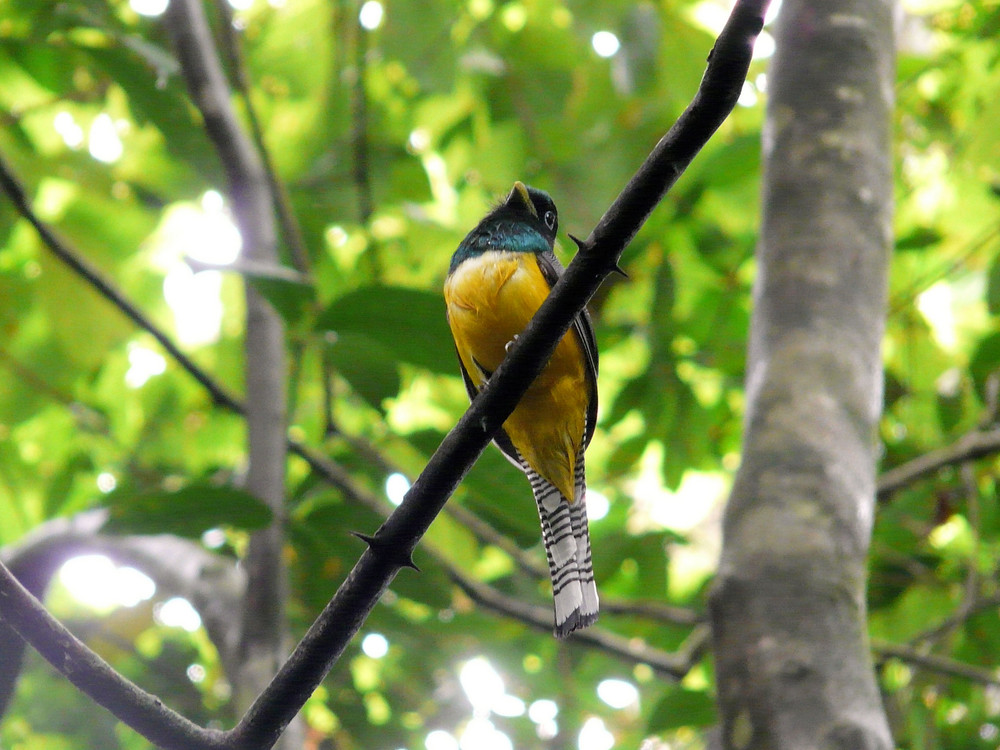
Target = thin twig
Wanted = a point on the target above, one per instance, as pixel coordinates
(936, 663)
(142, 711)
(392, 545)
(82, 267)
(674, 665)
(359, 127)
(652, 610)
(956, 619)
(290, 230)
(361, 169)
(969, 447)
(76, 262)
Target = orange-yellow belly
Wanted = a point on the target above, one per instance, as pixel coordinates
(490, 300)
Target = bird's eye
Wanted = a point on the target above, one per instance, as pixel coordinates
(550, 219)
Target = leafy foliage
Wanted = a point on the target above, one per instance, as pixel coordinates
(460, 100)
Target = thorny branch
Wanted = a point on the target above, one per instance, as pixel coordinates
(390, 548)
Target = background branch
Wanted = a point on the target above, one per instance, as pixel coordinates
(180, 567)
(263, 633)
(673, 665)
(291, 233)
(973, 445)
(142, 711)
(80, 265)
(934, 663)
(393, 544)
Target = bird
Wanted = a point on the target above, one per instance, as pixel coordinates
(498, 278)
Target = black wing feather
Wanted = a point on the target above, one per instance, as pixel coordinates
(500, 438)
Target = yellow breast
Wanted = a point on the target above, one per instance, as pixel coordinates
(490, 300)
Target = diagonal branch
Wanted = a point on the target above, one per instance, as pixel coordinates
(142, 711)
(674, 665)
(969, 447)
(15, 191)
(392, 545)
(935, 663)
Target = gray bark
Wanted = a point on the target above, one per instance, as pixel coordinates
(264, 641)
(788, 610)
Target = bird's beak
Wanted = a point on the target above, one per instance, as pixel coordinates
(519, 193)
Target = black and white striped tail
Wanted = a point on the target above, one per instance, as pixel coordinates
(567, 547)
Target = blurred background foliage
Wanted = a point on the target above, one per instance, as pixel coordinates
(392, 126)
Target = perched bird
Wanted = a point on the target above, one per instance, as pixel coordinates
(499, 276)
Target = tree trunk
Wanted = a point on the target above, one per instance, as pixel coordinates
(263, 643)
(788, 609)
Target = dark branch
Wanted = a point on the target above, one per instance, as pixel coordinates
(12, 187)
(344, 615)
(673, 665)
(934, 663)
(290, 230)
(90, 673)
(967, 448)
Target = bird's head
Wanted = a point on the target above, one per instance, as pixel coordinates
(531, 206)
(524, 222)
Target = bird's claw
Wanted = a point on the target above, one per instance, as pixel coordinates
(510, 343)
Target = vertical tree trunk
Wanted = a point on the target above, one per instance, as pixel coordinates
(263, 642)
(788, 611)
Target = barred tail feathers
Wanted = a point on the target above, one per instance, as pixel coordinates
(567, 548)
(581, 530)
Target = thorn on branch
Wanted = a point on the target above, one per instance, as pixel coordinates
(394, 552)
(583, 246)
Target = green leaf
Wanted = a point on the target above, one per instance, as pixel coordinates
(495, 490)
(682, 708)
(409, 323)
(726, 164)
(993, 288)
(367, 365)
(162, 102)
(918, 239)
(293, 300)
(985, 361)
(186, 512)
